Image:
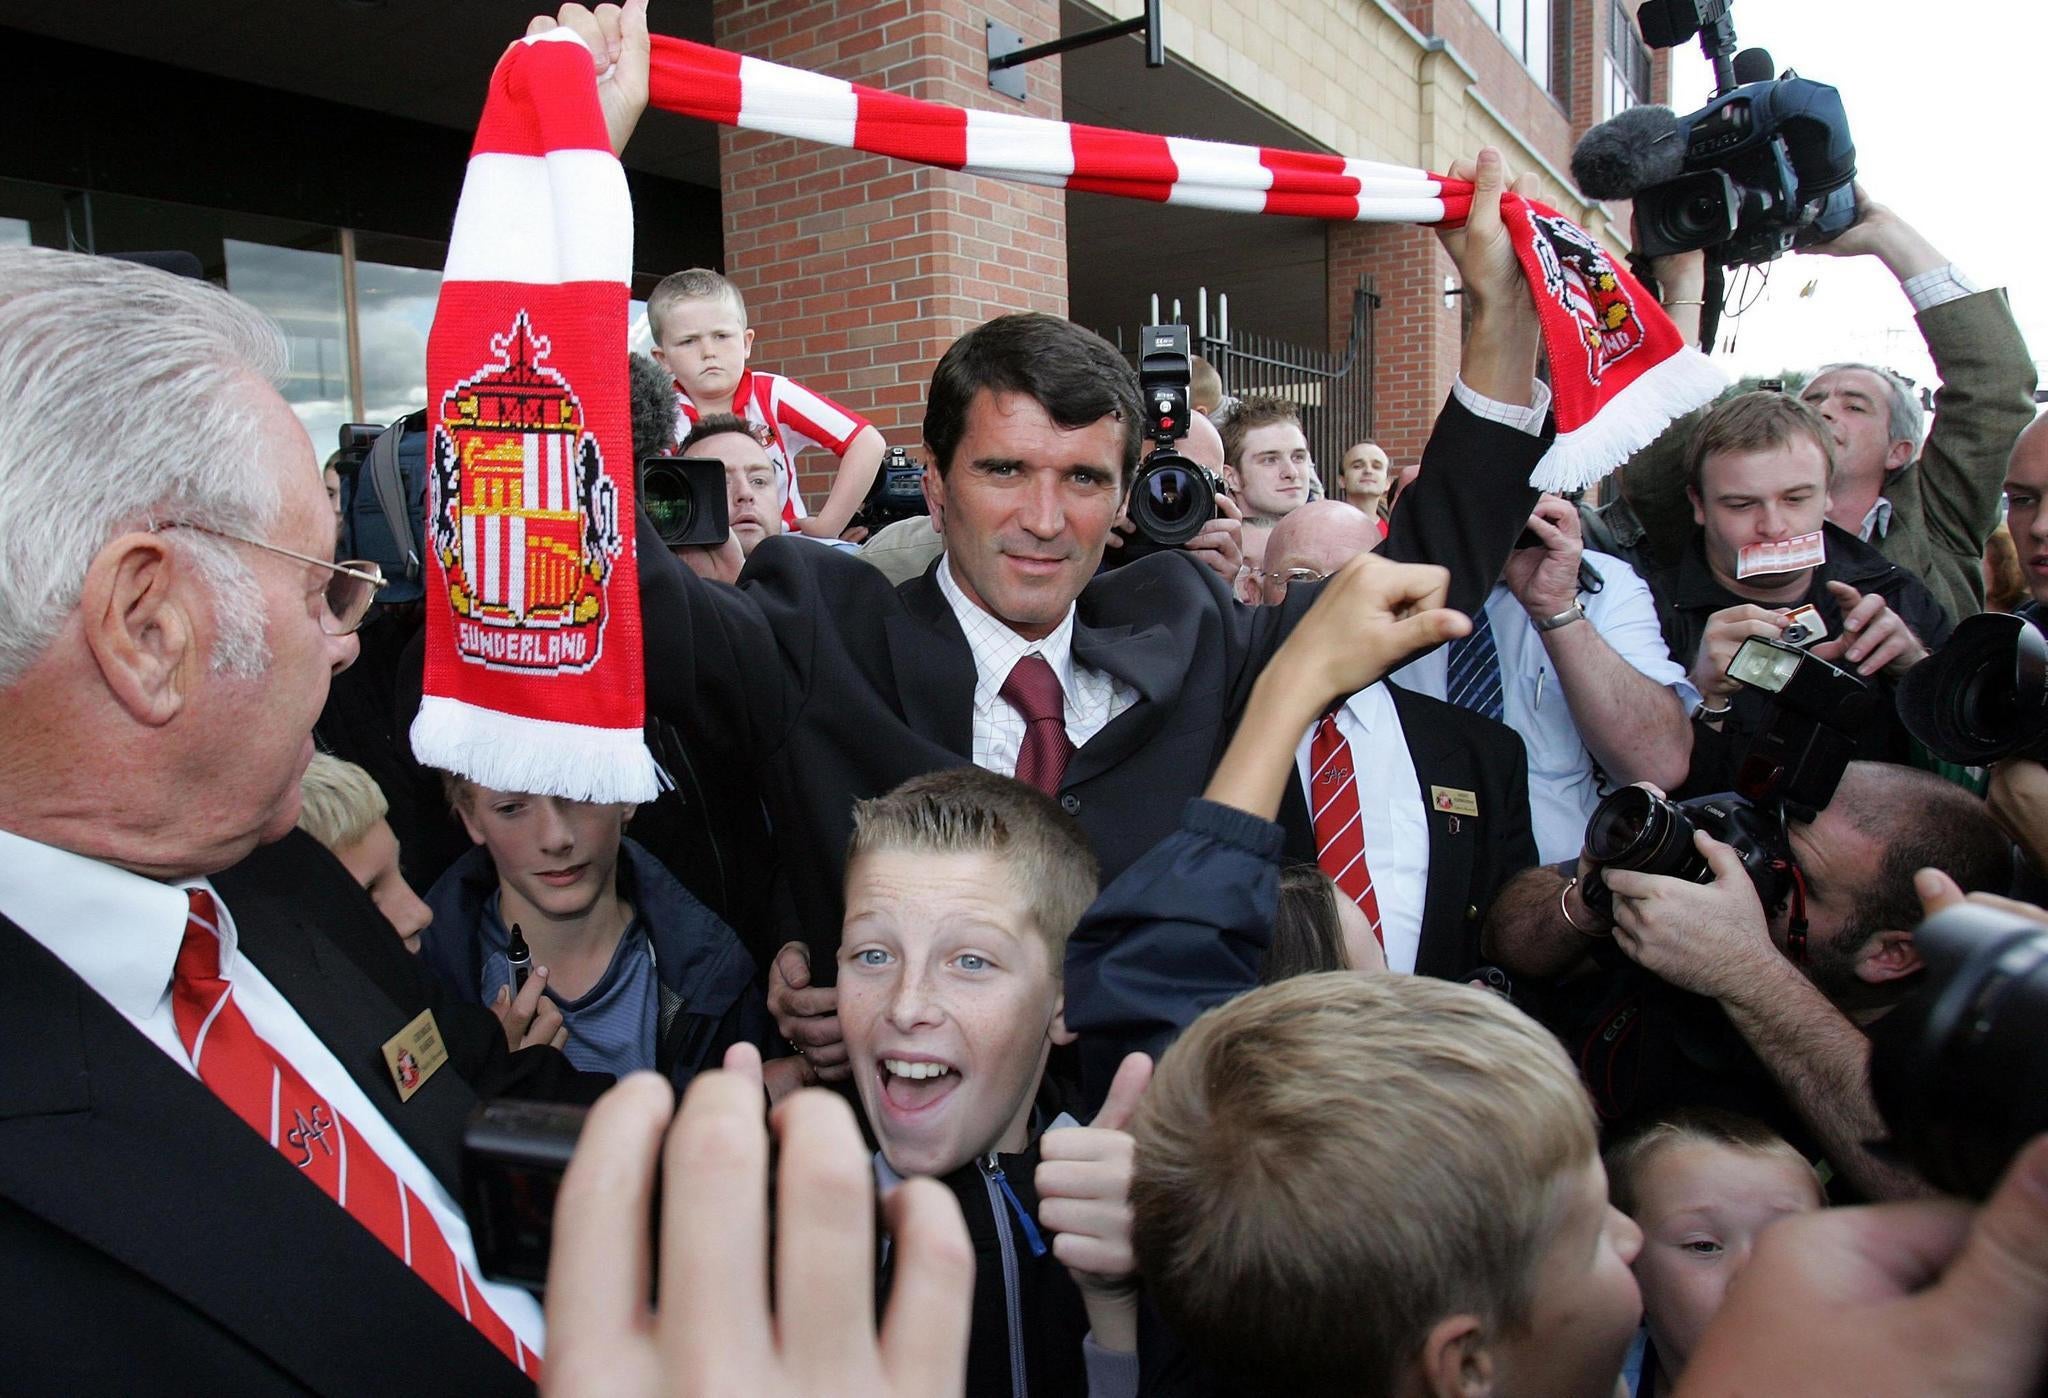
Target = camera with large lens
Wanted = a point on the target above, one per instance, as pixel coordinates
(1172, 498)
(1960, 1068)
(1983, 696)
(1766, 166)
(1790, 770)
(898, 491)
(685, 498)
(1637, 829)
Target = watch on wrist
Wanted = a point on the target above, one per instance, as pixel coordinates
(1575, 612)
(1704, 711)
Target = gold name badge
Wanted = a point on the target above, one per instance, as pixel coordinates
(414, 1053)
(1452, 801)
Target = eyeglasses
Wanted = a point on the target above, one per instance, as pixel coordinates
(351, 585)
(1284, 576)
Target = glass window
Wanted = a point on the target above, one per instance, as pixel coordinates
(1524, 26)
(14, 233)
(300, 289)
(1627, 65)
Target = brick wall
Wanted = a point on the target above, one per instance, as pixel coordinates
(859, 271)
(1417, 338)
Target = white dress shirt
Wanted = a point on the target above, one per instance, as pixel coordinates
(120, 933)
(1092, 698)
(1938, 286)
(1563, 786)
(1391, 816)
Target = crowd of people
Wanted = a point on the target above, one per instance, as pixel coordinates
(1197, 967)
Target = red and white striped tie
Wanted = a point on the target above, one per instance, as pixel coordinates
(260, 1085)
(1340, 835)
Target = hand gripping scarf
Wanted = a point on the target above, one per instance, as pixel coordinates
(533, 678)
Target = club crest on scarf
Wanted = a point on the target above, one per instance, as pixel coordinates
(1580, 277)
(525, 522)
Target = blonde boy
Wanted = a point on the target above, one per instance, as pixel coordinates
(701, 336)
(343, 808)
(1381, 1185)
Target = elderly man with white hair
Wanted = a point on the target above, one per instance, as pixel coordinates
(230, 1104)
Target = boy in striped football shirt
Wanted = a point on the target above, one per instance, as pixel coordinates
(701, 336)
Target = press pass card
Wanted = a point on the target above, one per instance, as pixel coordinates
(1804, 626)
(1781, 555)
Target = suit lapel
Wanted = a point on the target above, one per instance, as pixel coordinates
(354, 1018)
(107, 1139)
(1440, 760)
(1149, 661)
(933, 666)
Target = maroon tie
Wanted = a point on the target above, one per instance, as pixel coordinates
(1033, 690)
(267, 1092)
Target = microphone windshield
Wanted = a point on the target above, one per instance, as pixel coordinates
(1754, 66)
(1630, 152)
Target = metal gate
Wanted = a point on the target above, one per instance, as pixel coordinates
(1332, 391)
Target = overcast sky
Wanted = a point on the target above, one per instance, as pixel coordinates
(1948, 105)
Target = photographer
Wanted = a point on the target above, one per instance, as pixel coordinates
(1928, 508)
(2019, 786)
(1759, 471)
(1699, 998)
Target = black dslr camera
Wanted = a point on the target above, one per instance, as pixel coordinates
(1984, 695)
(1172, 498)
(898, 491)
(1960, 1068)
(1789, 772)
(1765, 167)
(685, 497)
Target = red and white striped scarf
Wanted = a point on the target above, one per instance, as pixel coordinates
(533, 678)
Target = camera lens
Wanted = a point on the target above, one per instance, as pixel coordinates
(1628, 828)
(1172, 500)
(671, 503)
(1984, 695)
(1960, 1069)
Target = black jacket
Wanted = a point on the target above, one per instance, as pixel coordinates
(1687, 596)
(1028, 1320)
(1470, 856)
(150, 1242)
(831, 685)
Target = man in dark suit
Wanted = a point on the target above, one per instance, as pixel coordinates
(230, 1107)
(841, 687)
(1418, 809)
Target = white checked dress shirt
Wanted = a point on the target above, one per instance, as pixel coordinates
(120, 933)
(1093, 698)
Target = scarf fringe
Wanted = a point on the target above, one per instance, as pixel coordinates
(1629, 421)
(508, 752)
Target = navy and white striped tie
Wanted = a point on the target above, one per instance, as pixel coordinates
(1472, 680)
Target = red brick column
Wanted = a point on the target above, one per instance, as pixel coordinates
(1417, 338)
(859, 271)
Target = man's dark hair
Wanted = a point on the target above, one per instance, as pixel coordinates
(1921, 821)
(1074, 374)
(717, 425)
(650, 405)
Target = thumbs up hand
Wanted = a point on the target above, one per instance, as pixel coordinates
(1084, 1189)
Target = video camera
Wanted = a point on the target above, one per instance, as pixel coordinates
(897, 493)
(1765, 167)
(685, 498)
(1960, 1068)
(1172, 498)
(356, 440)
(1983, 696)
(1789, 772)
